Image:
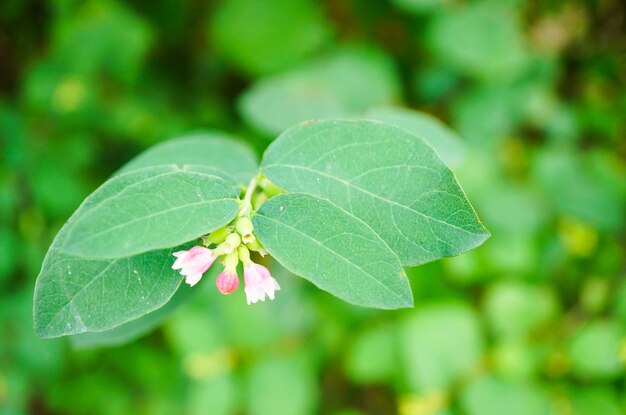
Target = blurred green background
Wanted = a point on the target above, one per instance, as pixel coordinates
(532, 322)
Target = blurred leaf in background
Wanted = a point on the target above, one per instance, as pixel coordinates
(525, 100)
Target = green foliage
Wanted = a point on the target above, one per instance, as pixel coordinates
(247, 32)
(346, 82)
(482, 39)
(430, 345)
(333, 249)
(385, 176)
(595, 349)
(270, 381)
(224, 156)
(130, 215)
(524, 101)
(446, 142)
(74, 294)
(489, 395)
(134, 328)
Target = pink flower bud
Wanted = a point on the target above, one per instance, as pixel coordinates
(259, 282)
(193, 263)
(227, 281)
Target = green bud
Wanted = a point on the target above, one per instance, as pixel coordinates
(229, 245)
(217, 236)
(244, 226)
(248, 238)
(244, 254)
(233, 240)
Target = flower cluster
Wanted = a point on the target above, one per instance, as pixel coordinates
(233, 244)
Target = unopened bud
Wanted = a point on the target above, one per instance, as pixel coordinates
(230, 244)
(244, 255)
(227, 281)
(244, 226)
(217, 236)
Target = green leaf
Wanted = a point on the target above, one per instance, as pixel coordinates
(344, 83)
(133, 329)
(384, 175)
(445, 141)
(333, 249)
(588, 186)
(227, 156)
(261, 37)
(283, 386)
(514, 309)
(217, 393)
(489, 396)
(432, 360)
(372, 357)
(596, 399)
(152, 208)
(595, 350)
(75, 295)
(421, 6)
(482, 39)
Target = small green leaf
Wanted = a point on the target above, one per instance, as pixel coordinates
(482, 38)
(596, 399)
(333, 249)
(384, 175)
(431, 359)
(514, 309)
(490, 395)
(283, 386)
(227, 156)
(341, 84)
(595, 350)
(261, 37)
(133, 329)
(152, 208)
(372, 357)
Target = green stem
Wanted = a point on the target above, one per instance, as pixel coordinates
(250, 190)
(246, 204)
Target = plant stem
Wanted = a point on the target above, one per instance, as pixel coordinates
(246, 205)
(250, 191)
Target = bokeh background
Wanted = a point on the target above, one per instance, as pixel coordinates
(532, 322)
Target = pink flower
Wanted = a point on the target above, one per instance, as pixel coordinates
(259, 282)
(227, 281)
(193, 263)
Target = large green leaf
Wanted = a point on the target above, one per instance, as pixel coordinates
(149, 209)
(76, 295)
(384, 175)
(229, 157)
(446, 142)
(133, 329)
(333, 249)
